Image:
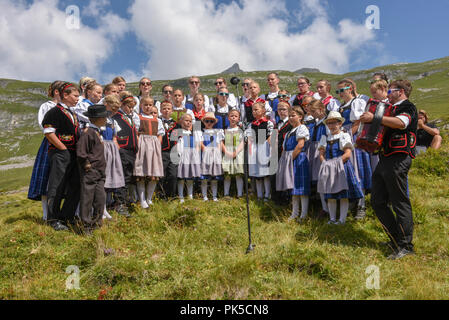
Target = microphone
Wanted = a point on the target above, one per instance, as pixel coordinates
(235, 81)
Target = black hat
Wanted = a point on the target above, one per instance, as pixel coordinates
(97, 111)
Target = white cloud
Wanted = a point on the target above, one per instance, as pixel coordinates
(37, 45)
(196, 37)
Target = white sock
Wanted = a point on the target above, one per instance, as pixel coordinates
(239, 182)
(214, 187)
(190, 188)
(304, 206)
(259, 187)
(44, 207)
(267, 184)
(362, 203)
(181, 189)
(141, 193)
(204, 189)
(150, 190)
(323, 202)
(295, 205)
(344, 206)
(227, 186)
(106, 214)
(332, 203)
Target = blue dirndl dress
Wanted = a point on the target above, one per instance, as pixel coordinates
(293, 174)
(362, 158)
(41, 173)
(354, 188)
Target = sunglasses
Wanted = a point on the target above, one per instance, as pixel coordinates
(223, 94)
(219, 83)
(300, 84)
(168, 92)
(209, 121)
(392, 90)
(245, 84)
(283, 96)
(145, 83)
(338, 91)
(194, 82)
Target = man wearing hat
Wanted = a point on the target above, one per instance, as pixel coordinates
(92, 166)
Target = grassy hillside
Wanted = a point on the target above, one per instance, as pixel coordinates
(197, 251)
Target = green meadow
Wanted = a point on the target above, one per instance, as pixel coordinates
(197, 250)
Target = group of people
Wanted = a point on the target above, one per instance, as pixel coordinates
(105, 148)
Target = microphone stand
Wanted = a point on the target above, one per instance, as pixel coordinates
(235, 81)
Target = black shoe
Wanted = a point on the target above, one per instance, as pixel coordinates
(400, 254)
(59, 226)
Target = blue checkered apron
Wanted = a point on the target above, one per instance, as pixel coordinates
(41, 172)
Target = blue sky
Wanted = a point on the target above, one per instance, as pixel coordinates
(138, 44)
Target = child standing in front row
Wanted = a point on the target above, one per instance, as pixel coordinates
(337, 178)
(259, 132)
(211, 162)
(293, 169)
(148, 167)
(233, 159)
(92, 166)
(317, 131)
(115, 178)
(189, 152)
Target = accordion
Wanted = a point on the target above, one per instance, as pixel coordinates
(371, 135)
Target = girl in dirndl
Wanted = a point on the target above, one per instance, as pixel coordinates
(115, 178)
(259, 133)
(41, 170)
(352, 109)
(189, 152)
(148, 168)
(337, 178)
(211, 161)
(317, 131)
(233, 159)
(293, 170)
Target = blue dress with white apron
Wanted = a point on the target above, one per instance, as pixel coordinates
(354, 191)
(362, 158)
(294, 174)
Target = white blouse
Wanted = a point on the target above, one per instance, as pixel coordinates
(345, 141)
(44, 108)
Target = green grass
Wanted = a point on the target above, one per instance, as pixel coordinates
(197, 251)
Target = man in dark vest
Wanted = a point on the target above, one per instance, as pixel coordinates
(390, 179)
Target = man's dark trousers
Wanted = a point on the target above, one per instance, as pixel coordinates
(390, 185)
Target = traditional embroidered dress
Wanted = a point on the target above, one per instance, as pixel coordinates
(211, 162)
(333, 174)
(189, 152)
(294, 174)
(41, 168)
(149, 157)
(352, 112)
(260, 149)
(114, 170)
(318, 130)
(222, 113)
(233, 138)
